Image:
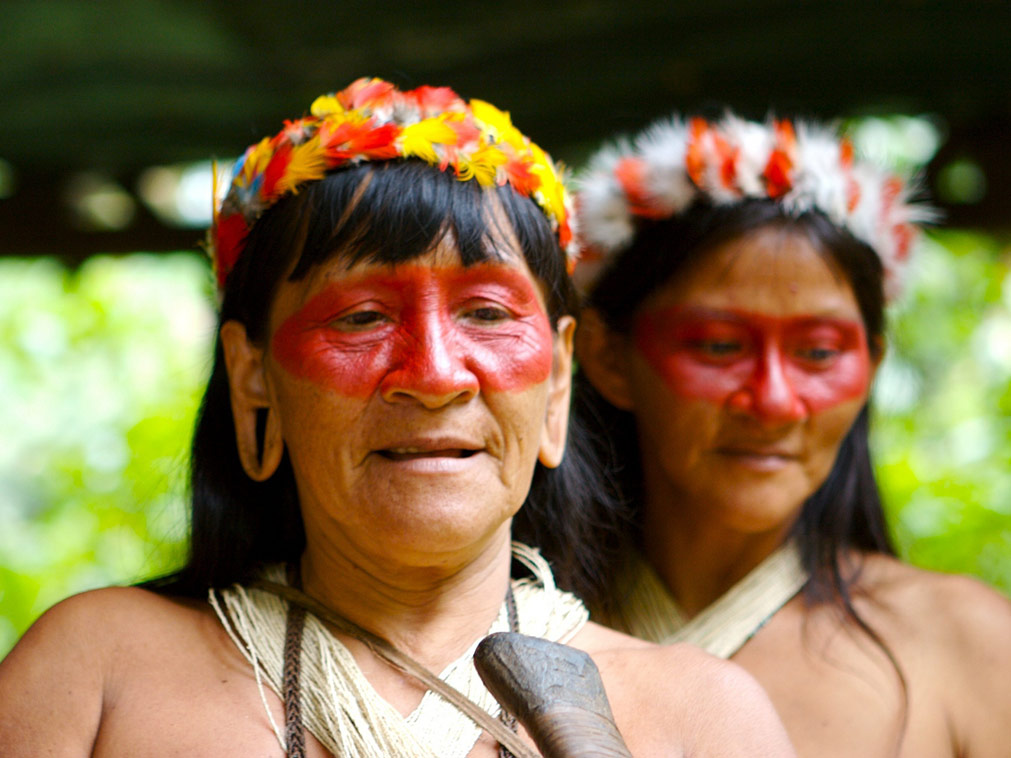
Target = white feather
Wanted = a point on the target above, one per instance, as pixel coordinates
(755, 143)
(662, 148)
(821, 180)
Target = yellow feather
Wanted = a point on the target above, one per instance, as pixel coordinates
(551, 191)
(491, 116)
(256, 160)
(484, 163)
(215, 189)
(325, 105)
(417, 139)
(308, 163)
(464, 170)
(498, 123)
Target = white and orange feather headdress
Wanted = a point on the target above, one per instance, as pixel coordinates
(803, 166)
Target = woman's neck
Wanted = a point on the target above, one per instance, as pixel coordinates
(700, 558)
(432, 612)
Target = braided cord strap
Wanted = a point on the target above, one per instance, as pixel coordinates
(294, 731)
(505, 716)
(404, 663)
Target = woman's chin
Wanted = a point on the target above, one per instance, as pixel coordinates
(763, 507)
(434, 529)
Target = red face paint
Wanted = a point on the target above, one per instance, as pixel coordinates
(432, 330)
(779, 369)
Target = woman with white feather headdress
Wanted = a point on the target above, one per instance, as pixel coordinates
(735, 276)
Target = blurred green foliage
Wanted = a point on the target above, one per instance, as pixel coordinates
(942, 430)
(101, 371)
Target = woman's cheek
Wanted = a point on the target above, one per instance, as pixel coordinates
(698, 380)
(508, 360)
(847, 379)
(684, 373)
(348, 367)
(516, 357)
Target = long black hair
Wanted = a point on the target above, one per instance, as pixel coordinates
(845, 512)
(389, 213)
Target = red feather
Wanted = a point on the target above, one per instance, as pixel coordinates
(275, 170)
(630, 173)
(852, 194)
(846, 152)
(435, 100)
(518, 174)
(778, 173)
(466, 131)
(695, 161)
(365, 92)
(349, 140)
(564, 238)
(728, 164)
(229, 236)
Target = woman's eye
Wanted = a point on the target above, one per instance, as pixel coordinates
(488, 314)
(817, 354)
(360, 321)
(718, 348)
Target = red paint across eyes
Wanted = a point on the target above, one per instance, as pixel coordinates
(776, 368)
(431, 330)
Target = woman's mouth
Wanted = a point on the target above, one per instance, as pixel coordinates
(760, 459)
(415, 453)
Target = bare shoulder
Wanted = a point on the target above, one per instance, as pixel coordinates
(101, 623)
(952, 635)
(679, 693)
(63, 670)
(959, 613)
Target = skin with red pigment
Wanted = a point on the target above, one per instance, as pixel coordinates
(407, 487)
(744, 372)
(413, 402)
(428, 327)
(756, 363)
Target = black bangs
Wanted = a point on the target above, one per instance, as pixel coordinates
(394, 212)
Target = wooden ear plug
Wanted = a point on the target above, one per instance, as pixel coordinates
(555, 691)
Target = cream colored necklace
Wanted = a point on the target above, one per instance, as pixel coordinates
(342, 709)
(725, 625)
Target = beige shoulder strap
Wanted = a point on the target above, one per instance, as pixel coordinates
(721, 629)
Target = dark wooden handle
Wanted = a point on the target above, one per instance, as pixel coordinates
(556, 693)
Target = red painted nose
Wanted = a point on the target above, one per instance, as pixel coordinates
(431, 367)
(769, 395)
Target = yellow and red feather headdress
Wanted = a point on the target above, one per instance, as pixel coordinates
(371, 120)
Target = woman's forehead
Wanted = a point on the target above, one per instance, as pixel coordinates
(770, 270)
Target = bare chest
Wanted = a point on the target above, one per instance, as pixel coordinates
(195, 705)
(838, 693)
(201, 703)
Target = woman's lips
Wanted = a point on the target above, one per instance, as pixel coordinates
(413, 453)
(443, 452)
(763, 459)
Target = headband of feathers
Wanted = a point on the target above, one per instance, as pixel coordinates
(804, 167)
(371, 120)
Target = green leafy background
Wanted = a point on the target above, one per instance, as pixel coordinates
(101, 371)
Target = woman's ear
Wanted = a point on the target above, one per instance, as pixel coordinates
(556, 419)
(248, 391)
(601, 354)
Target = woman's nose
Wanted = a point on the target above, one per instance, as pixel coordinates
(769, 394)
(431, 366)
